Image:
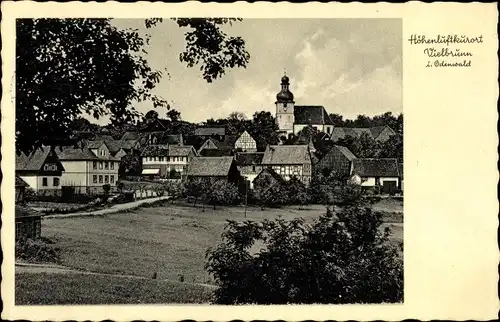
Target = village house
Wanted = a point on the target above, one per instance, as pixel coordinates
(28, 223)
(20, 186)
(88, 170)
(378, 133)
(267, 178)
(289, 160)
(293, 118)
(214, 168)
(245, 143)
(337, 162)
(213, 147)
(205, 132)
(249, 164)
(41, 170)
(167, 160)
(382, 173)
(117, 148)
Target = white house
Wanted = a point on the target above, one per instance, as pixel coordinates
(381, 173)
(41, 170)
(160, 160)
(88, 170)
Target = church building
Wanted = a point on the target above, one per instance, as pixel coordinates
(292, 118)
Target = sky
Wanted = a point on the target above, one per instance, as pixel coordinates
(350, 66)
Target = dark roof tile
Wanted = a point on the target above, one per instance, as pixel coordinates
(376, 167)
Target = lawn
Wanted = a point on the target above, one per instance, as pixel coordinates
(51, 289)
(168, 240)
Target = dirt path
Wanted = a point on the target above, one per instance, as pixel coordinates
(59, 269)
(111, 210)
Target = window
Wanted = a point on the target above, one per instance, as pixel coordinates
(106, 179)
(94, 164)
(94, 178)
(100, 179)
(100, 165)
(106, 165)
(55, 182)
(253, 168)
(328, 130)
(112, 179)
(112, 165)
(44, 182)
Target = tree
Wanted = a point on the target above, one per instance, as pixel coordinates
(150, 116)
(338, 120)
(66, 68)
(270, 195)
(297, 191)
(263, 129)
(130, 164)
(221, 193)
(174, 189)
(174, 115)
(239, 116)
(196, 188)
(338, 259)
(393, 148)
(363, 146)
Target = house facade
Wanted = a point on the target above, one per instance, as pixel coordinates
(41, 170)
(289, 160)
(88, 170)
(245, 143)
(249, 164)
(337, 161)
(292, 118)
(163, 160)
(214, 168)
(381, 173)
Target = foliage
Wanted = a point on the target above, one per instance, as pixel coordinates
(196, 188)
(342, 258)
(221, 193)
(270, 195)
(106, 188)
(174, 115)
(130, 165)
(394, 122)
(40, 250)
(66, 68)
(120, 185)
(363, 146)
(297, 191)
(175, 189)
(151, 115)
(174, 174)
(393, 148)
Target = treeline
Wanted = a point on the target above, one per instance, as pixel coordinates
(393, 121)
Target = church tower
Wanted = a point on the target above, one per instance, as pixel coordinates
(285, 107)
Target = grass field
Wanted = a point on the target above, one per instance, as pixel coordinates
(169, 240)
(51, 289)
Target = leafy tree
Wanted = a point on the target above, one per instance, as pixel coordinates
(393, 148)
(150, 116)
(239, 116)
(221, 193)
(66, 68)
(363, 146)
(338, 120)
(271, 195)
(131, 164)
(174, 115)
(196, 188)
(338, 259)
(297, 191)
(175, 190)
(174, 174)
(263, 129)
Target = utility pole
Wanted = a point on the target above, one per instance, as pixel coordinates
(246, 196)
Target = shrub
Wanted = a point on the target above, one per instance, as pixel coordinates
(335, 260)
(222, 193)
(37, 250)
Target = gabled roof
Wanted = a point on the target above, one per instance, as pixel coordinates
(34, 161)
(345, 151)
(159, 150)
(214, 153)
(156, 125)
(79, 154)
(95, 144)
(375, 167)
(20, 182)
(249, 158)
(208, 131)
(21, 160)
(286, 154)
(176, 150)
(311, 114)
(103, 137)
(210, 166)
(115, 145)
(272, 173)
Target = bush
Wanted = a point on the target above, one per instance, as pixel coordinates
(37, 251)
(222, 193)
(336, 260)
